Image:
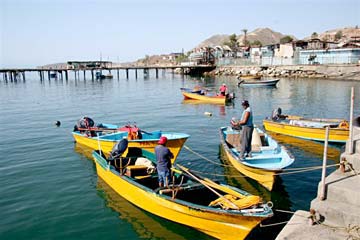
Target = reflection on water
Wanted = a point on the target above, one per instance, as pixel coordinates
(145, 224)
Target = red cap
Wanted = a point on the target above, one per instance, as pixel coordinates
(162, 140)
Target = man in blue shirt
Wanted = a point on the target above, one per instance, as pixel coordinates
(247, 130)
(163, 165)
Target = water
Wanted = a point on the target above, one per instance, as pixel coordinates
(49, 187)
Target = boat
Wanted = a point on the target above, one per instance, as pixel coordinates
(259, 83)
(267, 160)
(106, 136)
(100, 76)
(205, 96)
(309, 128)
(216, 209)
(249, 76)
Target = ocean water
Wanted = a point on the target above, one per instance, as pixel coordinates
(49, 187)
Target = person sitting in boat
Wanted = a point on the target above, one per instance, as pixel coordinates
(163, 159)
(276, 115)
(223, 89)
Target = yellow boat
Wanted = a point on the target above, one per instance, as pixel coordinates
(268, 157)
(108, 138)
(310, 128)
(249, 76)
(206, 97)
(218, 210)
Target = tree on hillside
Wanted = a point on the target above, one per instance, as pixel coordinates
(232, 43)
(256, 43)
(286, 39)
(338, 35)
(314, 35)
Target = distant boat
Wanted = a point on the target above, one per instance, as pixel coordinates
(268, 157)
(206, 97)
(259, 83)
(249, 76)
(100, 76)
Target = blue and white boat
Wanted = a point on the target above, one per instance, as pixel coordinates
(267, 157)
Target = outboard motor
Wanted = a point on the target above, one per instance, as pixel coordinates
(118, 149)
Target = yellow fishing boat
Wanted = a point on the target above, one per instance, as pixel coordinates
(309, 128)
(206, 97)
(219, 210)
(268, 157)
(249, 76)
(107, 136)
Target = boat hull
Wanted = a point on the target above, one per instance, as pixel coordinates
(216, 223)
(264, 83)
(217, 99)
(175, 143)
(336, 135)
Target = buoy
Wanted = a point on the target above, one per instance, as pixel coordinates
(208, 114)
(58, 123)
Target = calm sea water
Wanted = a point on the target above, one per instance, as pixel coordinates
(49, 187)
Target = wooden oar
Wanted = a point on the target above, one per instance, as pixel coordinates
(207, 186)
(224, 189)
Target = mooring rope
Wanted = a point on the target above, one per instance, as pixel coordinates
(285, 171)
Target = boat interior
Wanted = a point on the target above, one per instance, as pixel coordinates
(141, 169)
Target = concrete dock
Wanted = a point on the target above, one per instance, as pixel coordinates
(338, 215)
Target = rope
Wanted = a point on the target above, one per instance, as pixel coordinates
(205, 158)
(285, 171)
(273, 224)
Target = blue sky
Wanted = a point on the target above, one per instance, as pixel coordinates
(38, 32)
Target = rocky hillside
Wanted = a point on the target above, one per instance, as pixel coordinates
(339, 34)
(265, 35)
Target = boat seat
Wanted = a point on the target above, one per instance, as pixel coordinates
(137, 171)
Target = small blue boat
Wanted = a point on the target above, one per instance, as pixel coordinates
(267, 157)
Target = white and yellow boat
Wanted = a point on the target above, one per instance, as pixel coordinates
(219, 210)
(206, 97)
(310, 128)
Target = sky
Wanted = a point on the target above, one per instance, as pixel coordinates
(39, 32)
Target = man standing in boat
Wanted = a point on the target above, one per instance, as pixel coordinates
(223, 89)
(163, 159)
(247, 130)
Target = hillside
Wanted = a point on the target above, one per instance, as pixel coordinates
(347, 33)
(265, 35)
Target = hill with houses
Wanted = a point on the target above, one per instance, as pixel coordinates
(260, 36)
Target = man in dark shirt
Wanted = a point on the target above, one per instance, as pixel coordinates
(163, 165)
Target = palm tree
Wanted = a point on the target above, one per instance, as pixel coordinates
(245, 40)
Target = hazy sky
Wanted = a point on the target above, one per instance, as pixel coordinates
(38, 32)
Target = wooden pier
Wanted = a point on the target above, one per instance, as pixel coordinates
(18, 74)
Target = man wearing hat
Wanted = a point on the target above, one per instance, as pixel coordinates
(247, 129)
(163, 165)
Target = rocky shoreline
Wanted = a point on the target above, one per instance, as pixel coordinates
(345, 72)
